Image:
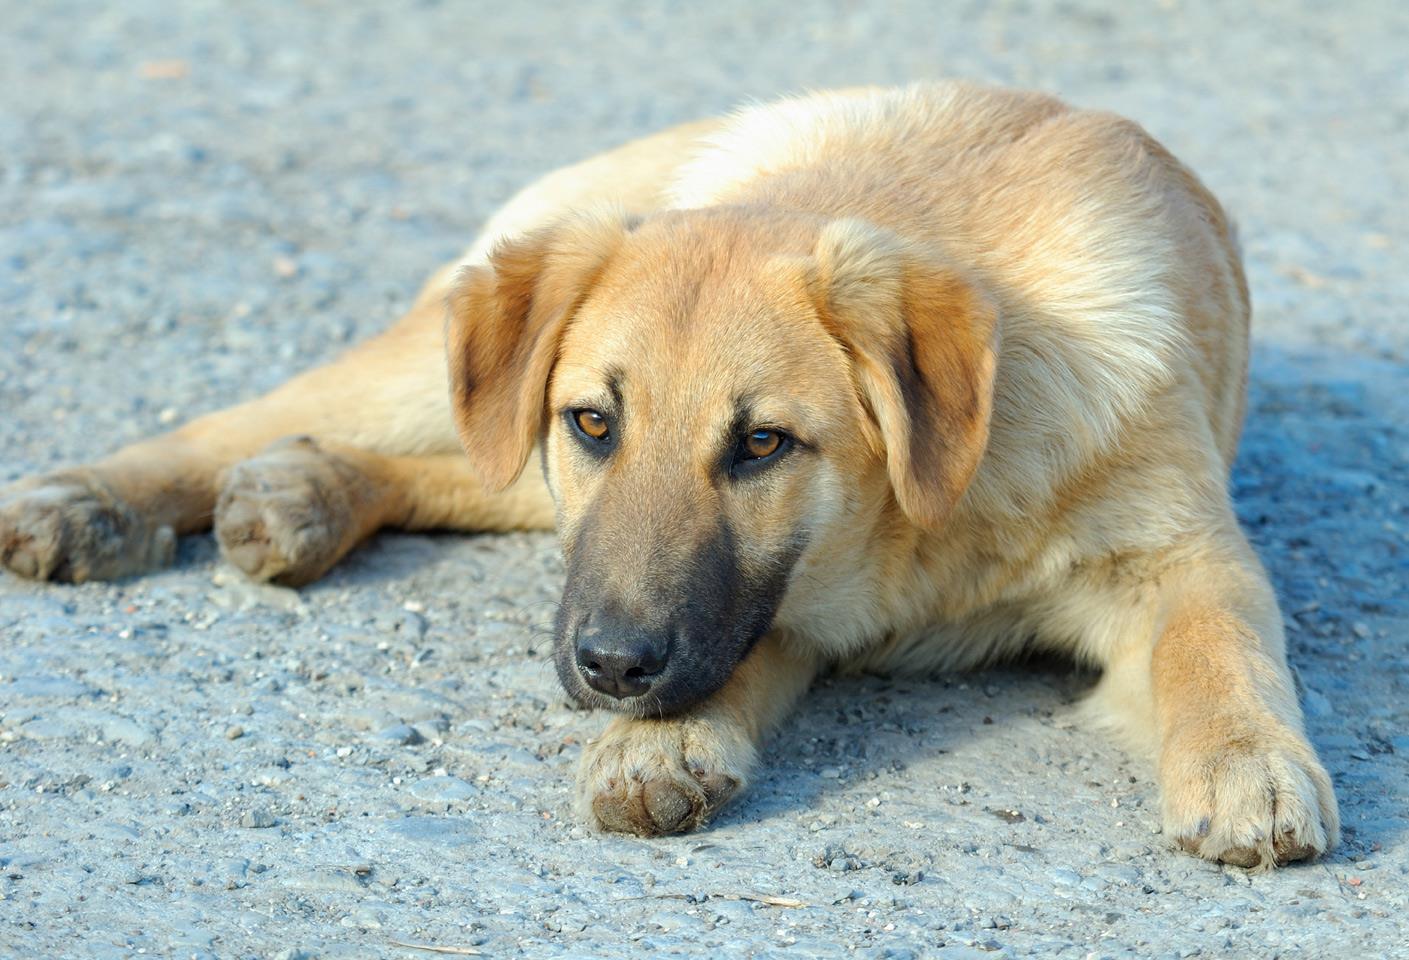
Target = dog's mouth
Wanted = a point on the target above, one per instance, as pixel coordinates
(644, 706)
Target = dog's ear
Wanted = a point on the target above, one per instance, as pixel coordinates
(923, 340)
(506, 319)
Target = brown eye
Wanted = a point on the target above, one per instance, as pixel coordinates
(758, 450)
(592, 423)
(762, 443)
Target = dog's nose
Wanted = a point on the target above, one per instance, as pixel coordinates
(620, 660)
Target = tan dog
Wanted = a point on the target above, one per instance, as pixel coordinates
(902, 379)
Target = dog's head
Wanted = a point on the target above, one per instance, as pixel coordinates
(719, 395)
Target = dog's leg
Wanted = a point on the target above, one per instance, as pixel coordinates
(290, 513)
(121, 515)
(1240, 781)
(657, 776)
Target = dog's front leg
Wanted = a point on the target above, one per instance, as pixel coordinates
(1240, 782)
(669, 775)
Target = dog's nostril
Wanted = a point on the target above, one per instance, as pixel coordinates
(594, 667)
(635, 673)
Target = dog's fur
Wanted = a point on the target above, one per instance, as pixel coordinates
(1010, 339)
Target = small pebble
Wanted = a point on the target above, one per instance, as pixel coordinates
(441, 789)
(403, 734)
(257, 819)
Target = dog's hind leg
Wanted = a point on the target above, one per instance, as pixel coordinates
(121, 515)
(294, 510)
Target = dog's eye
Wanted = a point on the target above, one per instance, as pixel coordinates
(592, 424)
(759, 447)
(762, 443)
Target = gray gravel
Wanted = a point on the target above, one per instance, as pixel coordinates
(198, 199)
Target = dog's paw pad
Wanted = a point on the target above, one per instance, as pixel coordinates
(656, 777)
(71, 526)
(290, 513)
(649, 808)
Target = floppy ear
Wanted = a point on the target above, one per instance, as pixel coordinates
(924, 342)
(505, 322)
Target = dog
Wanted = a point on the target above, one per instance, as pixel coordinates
(898, 379)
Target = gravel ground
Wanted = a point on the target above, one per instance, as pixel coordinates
(198, 199)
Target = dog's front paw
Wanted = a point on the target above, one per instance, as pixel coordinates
(72, 526)
(1247, 792)
(292, 512)
(653, 777)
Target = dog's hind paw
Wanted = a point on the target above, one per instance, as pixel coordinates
(292, 512)
(71, 526)
(654, 777)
